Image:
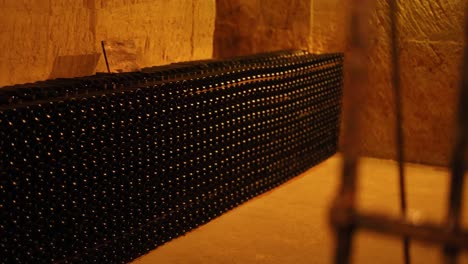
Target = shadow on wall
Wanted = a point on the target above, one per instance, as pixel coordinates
(74, 65)
(121, 55)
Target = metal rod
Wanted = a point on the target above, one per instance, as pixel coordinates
(396, 83)
(458, 156)
(354, 97)
(105, 55)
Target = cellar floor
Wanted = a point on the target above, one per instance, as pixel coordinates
(290, 223)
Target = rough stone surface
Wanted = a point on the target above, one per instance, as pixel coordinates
(431, 51)
(327, 26)
(33, 34)
(251, 26)
(431, 46)
(44, 39)
(163, 31)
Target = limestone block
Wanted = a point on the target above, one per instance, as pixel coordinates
(22, 59)
(163, 31)
(430, 52)
(327, 5)
(327, 32)
(430, 77)
(44, 39)
(250, 26)
(435, 20)
(35, 33)
(26, 5)
(120, 3)
(204, 16)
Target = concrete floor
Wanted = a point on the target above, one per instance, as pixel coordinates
(290, 223)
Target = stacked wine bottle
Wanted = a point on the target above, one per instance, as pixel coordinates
(103, 169)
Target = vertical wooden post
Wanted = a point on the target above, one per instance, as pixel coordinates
(459, 156)
(356, 84)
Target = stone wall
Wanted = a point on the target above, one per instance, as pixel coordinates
(431, 53)
(250, 26)
(35, 34)
(44, 39)
(431, 46)
(163, 31)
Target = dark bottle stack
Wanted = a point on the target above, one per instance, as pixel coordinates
(105, 168)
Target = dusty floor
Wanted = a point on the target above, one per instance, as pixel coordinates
(290, 223)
